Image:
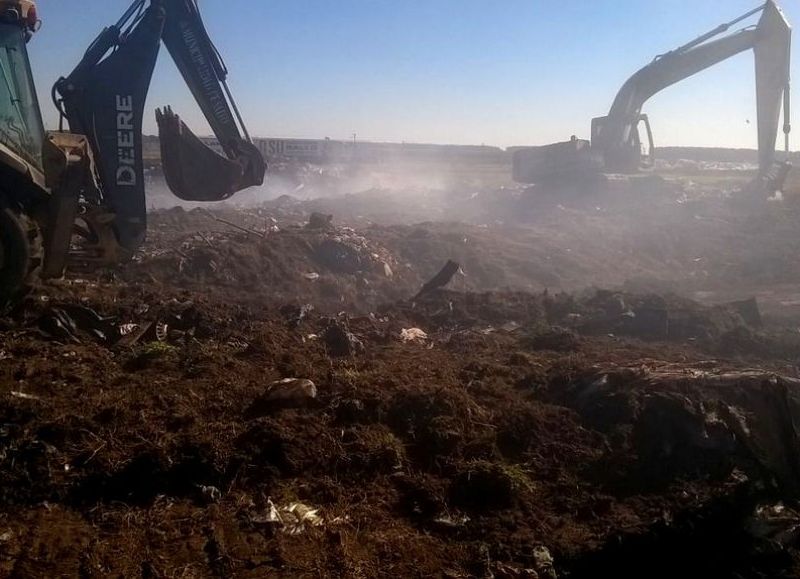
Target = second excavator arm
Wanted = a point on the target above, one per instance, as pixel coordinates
(104, 98)
(615, 146)
(614, 135)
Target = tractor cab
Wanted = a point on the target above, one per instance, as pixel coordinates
(21, 129)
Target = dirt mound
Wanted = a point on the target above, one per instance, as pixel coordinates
(478, 448)
(256, 397)
(333, 268)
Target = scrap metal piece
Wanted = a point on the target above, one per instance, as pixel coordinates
(441, 279)
(162, 331)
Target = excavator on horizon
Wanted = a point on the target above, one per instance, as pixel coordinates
(616, 143)
(90, 180)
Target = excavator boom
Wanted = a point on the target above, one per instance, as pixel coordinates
(771, 42)
(104, 98)
(616, 143)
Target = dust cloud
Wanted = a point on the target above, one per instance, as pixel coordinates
(684, 228)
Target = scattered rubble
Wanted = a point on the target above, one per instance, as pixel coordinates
(441, 279)
(24, 396)
(292, 519)
(413, 335)
(286, 393)
(292, 389)
(182, 416)
(320, 221)
(340, 341)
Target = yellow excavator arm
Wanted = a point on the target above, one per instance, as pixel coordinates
(616, 143)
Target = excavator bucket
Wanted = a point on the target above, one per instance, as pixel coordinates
(195, 172)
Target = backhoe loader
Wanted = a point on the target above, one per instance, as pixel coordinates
(80, 193)
(616, 143)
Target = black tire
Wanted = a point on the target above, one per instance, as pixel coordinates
(20, 254)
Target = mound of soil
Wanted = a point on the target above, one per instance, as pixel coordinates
(475, 431)
(463, 453)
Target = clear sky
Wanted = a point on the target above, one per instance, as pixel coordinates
(500, 72)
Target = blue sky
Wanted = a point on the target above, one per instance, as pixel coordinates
(508, 72)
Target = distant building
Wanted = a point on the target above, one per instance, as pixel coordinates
(331, 151)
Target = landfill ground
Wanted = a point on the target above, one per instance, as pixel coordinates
(595, 394)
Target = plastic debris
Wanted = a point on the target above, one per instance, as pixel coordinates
(509, 327)
(776, 523)
(452, 522)
(342, 520)
(293, 519)
(311, 276)
(238, 344)
(544, 562)
(5, 355)
(291, 390)
(71, 323)
(133, 333)
(213, 494)
(504, 571)
(413, 335)
(127, 329)
(24, 396)
(682, 411)
(543, 567)
(162, 331)
(58, 325)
